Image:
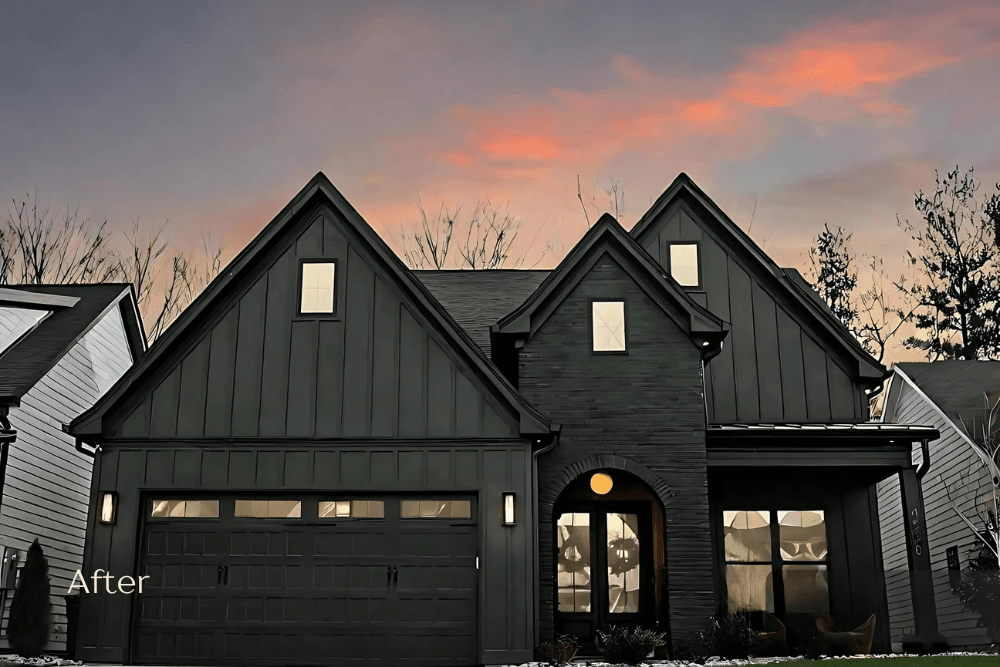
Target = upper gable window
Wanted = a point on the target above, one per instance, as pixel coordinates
(608, 323)
(318, 287)
(684, 264)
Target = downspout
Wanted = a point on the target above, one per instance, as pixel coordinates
(925, 458)
(7, 437)
(536, 584)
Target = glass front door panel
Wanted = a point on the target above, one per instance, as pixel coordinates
(573, 570)
(623, 563)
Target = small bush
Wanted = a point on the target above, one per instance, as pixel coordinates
(730, 637)
(979, 591)
(630, 647)
(28, 628)
(560, 651)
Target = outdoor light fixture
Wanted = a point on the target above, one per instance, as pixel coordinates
(601, 483)
(508, 508)
(109, 506)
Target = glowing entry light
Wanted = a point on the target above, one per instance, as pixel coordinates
(109, 506)
(508, 508)
(601, 483)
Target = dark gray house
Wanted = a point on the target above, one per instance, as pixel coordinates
(61, 348)
(331, 459)
(949, 396)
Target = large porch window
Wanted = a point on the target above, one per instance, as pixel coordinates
(776, 561)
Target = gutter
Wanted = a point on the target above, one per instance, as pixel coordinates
(536, 585)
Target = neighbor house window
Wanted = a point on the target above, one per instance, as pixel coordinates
(268, 509)
(351, 509)
(436, 509)
(752, 566)
(684, 264)
(185, 509)
(318, 287)
(608, 322)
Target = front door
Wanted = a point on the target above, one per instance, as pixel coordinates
(604, 568)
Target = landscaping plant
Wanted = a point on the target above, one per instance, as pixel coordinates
(561, 651)
(979, 591)
(629, 646)
(730, 637)
(28, 628)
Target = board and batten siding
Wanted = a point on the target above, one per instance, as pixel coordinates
(950, 455)
(137, 471)
(772, 368)
(644, 406)
(375, 369)
(46, 492)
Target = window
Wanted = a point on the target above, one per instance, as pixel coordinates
(436, 509)
(268, 509)
(608, 321)
(317, 286)
(800, 564)
(351, 509)
(684, 264)
(185, 509)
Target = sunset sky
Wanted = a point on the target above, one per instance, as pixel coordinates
(213, 115)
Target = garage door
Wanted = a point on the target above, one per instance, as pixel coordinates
(305, 580)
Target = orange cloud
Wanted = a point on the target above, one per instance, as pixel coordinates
(833, 71)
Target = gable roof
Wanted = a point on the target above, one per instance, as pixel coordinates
(75, 310)
(478, 299)
(956, 387)
(789, 281)
(318, 190)
(696, 320)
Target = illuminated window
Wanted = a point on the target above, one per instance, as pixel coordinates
(752, 566)
(684, 264)
(608, 318)
(318, 281)
(268, 509)
(352, 509)
(185, 509)
(436, 509)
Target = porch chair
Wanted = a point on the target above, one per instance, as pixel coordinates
(855, 642)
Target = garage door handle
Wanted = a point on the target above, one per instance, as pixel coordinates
(388, 573)
(395, 574)
(223, 576)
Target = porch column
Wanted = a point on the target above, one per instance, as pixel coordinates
(926, 638)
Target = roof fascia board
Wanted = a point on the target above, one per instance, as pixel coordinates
(22, 299)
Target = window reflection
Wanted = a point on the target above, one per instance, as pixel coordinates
(802, 535)
(573, 562)
(623, 563)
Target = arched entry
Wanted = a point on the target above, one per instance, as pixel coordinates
(609, 553)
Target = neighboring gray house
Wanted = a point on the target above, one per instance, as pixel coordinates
(61, 348)
(949, 396)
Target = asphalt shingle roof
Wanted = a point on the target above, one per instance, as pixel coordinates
(957, 387)
(25, 363)
(477, 299)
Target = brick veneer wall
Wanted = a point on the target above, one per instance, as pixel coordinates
(645, 407)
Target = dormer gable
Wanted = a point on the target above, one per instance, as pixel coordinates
(790, 360)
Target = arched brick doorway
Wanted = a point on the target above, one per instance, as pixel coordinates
(604, 553)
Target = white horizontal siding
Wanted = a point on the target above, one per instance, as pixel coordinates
(950, 456)
(47, 487)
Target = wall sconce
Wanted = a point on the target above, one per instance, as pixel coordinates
(108, 506)
(508, 508)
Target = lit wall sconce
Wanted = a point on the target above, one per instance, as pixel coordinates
(508, 508)
(108, 505)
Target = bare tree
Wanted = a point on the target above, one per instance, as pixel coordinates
(36, 249)
(957, 303)
(486, 243)
(877, 321)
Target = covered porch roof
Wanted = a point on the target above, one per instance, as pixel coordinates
(869, 445)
